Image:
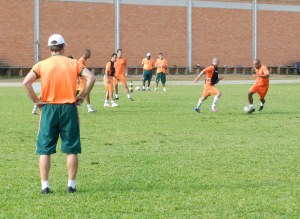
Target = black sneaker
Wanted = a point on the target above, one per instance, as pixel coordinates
(116, 98)
(251, 110)
(261, 108)
(45, 191)
(70, 189)
(130, 99)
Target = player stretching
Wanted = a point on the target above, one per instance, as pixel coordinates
(212, 78)
(261, 85)
(120, 75)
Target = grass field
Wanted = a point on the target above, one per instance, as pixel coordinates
(156, 158)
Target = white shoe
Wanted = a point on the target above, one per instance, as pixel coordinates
(155, 89)
(91, 109)
(114, 105)
(106, 105)
(164, 89)
(148, 89)
(34, 111)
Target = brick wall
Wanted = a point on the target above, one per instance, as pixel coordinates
(224, 33)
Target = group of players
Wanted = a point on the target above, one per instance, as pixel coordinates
(261, 85)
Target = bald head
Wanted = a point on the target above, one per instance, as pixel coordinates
(87, 53)
(256, 63)
(216, 61)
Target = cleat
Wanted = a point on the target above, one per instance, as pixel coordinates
(261, 108)
(116, 98)
(251, 110)
(197, 109)
(70, 189)
(114, 105)
(106, 105)
(143, 89)
(34, 110)
(130, 99)
(91, 110)
(214, 108)
(148, 89)
(45, 191)
(164, 89)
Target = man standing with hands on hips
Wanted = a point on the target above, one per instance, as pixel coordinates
(59, 117)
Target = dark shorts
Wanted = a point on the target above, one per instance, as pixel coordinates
(58, 120)
(161, 77)
(147, 75)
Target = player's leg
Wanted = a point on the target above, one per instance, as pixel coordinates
(144, 80)
(157, 80)
(163, 81)
(262, 93)
(201, 100)
(116, 88)
(124, 82)
(45, 164)
(72, 165)
(252, 91)
(107, 97)
(89, 105)
(216, 98)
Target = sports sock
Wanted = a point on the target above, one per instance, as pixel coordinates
(251, 106)
(72, 183)
(215, 100)
(199, 103)
(45, 184)
(261, 103)
(117, 95)
(112, 102)
(128, 96)
(105, 101)
(88, 105)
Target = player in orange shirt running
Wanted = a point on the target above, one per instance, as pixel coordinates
(261, 85)
(108, 81)
(212, 78)
(148, 65)
(81, 82)
(120, 75)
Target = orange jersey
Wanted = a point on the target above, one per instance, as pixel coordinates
(209, 71)
(83, 61)
(147, 64)
(120, 66)
(58, 76)
(263, 70)
(161, 65)
(81, 84)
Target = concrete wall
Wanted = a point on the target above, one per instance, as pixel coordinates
(226, 33)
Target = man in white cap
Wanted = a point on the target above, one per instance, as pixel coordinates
(148, 65)
(59, 117)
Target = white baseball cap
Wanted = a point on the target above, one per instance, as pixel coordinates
(148, 54)
(56, 39)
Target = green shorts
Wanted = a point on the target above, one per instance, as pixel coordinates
(58, 119)
(161, 77)
(147, 75)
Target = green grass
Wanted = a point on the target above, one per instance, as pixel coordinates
(157, 158)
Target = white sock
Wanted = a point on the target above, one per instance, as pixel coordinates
(72, 183)
(199, 103)
(251, 106)
(35, 107)
(215, 100)
(143, 87)
(117, 95)
(128, 95)
(88, 105)
(261, 103)
(45, 184)
(112, 102)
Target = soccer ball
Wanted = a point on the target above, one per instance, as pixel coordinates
(246, 109)
(137, 88)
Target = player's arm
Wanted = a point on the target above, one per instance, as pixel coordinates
(90, 80)
(265, 74)
(199, 76)
(27, 83)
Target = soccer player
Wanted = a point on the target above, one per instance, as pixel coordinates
(148, 65)
(161, 65)
(59, 116)
(81, 82)
(261, 85)
(120, 75)
(108, 81)
(212, 78)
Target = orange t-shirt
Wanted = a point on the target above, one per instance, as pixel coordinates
(81, 84)
(120, 66)
(209, 71)
(161, 65)
(263, 70)
(147, 64)
(58, 76)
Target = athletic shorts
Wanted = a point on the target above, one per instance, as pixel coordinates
(147, 75)
(260, 89)
(58, 120)
(120, 78)
(209, 90)
(161, 77)
(108, 82)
